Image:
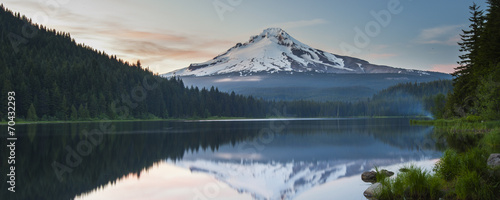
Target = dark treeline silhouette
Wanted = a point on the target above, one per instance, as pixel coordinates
(56, 78)
(477, 79)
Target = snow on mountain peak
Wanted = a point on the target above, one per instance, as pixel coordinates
(270, 181)
(273, 31)
(274, 50)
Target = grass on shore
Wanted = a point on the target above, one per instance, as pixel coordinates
(462, 172)
(414, 183)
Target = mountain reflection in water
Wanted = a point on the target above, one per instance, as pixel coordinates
(249, 156)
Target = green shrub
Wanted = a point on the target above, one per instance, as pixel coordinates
(473, 118)
(446, 168)
(453, 164)
(415, 183)
(470, 185)
(491, 141)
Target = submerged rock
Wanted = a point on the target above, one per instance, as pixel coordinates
(372, 191)
(404, 169)
(387, 173)
(371, 176)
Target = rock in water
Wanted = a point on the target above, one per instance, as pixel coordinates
(404, 169)
(387, 173)
(369, 177)
(372, 191)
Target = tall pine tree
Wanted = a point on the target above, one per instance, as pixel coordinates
(465, 82)
(477, 80)
(489, 61)
(32, 113)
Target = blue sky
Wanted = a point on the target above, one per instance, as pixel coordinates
(170, 34)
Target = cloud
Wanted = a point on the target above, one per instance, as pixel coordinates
(443, 35)
(300, 23)
(152, 49)
(445, 68)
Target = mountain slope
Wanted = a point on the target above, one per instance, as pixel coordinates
(273, 51)
(275, 66)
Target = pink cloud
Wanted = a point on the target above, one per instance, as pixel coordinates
(445, 35)
(445, 68)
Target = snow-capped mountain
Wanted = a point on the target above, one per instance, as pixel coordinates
(275, 66)
(270, 181)
(282, 180)
(274, 50)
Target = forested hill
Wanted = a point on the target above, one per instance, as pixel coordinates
(418, 90)
(53, 77)
(406, 99)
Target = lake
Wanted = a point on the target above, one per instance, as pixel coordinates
(225, 159)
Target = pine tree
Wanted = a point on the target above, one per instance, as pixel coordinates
(490, 39)
(83, 112)
(32, 113)
(74, 113)
(489, 59)
(62, 109)
(470, 41)
(465, 82)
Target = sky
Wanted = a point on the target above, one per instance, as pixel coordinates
(166, 35)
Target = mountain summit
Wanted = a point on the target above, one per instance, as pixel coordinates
(274, 50)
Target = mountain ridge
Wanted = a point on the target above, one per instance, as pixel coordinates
(274, 50)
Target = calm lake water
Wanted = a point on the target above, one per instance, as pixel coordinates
(201, 160)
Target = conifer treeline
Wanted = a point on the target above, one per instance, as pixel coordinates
(55, 78)
(477, 79)
(405, 99)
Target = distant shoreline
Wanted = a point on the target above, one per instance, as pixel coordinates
(212, 119)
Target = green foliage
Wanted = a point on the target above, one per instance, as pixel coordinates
(489, 95)
(438, 109)
(473, 118)
(463, 165)
(415, 183)
(467, 173)
(470, 185)
(32, 113)
(83, 112)
(491, 141)
(476, 87)
(446, 167)
(74, 113)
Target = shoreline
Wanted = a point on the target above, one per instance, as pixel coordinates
(469, 143)
(215, 119)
